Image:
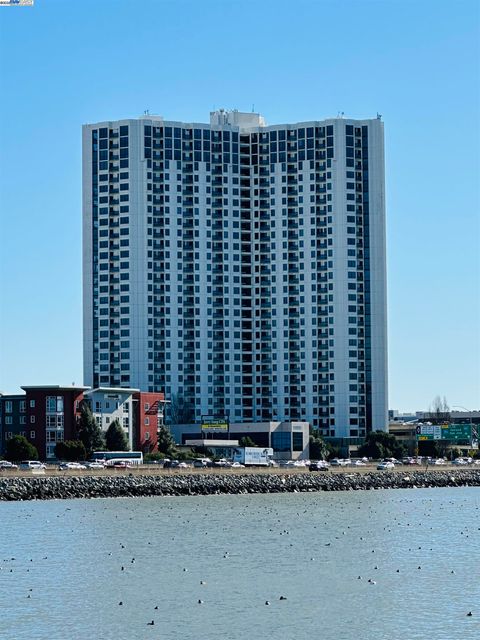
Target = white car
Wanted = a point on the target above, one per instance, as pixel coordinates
(64, 466)
(5, 464)
(237, 465)
(385, 465)
(31, 464)
(95, 465)
(358, 463)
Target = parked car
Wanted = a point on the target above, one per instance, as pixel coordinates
(359, 463)
(460, 461)
(31, 464)
(237, 465)
(201, 463)
(339, 462)
(382, 466)
(171, 464)
(223, 462)
(393, 461)
(5, 464)
(321, 465)
(121, 464)
(65, 466)
(95, 465)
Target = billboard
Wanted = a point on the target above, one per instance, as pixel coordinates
(253, 455)
(214, 424)
(449, 432)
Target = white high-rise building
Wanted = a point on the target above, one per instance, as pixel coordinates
(239, 267)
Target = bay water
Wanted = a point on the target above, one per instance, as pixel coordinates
(367, 565)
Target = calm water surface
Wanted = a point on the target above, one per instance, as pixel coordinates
(310, 548)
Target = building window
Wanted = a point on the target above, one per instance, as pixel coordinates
(32, 419)
(54, 404)
(32, 435)
(146, 406)
(147, 435)
(281, 441)
(8, 435)
(8, 406)
(8, 419)
(23, 406)
(32, 404)
(297, 441)
(147, 422)
(23, 419)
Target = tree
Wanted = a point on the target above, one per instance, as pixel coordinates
(115, 437)
(165, 441)
(431, 448)
(246, 441)
(319, 449)
(439, 411)
(89, 432)
(179, 412)
(380, 444)
(19, 448)
(70, 450)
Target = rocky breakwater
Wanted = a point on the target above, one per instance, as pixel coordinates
(49, 488)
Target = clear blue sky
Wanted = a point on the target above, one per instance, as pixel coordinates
(65, 63)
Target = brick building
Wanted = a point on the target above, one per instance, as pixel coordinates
(49, 414)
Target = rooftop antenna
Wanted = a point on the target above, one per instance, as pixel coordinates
(379, 116)
(146, 112)
(253, 108)
(340, 114)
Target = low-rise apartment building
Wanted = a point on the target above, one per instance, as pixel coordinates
(49, 414)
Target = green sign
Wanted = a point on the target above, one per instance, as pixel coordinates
(457, 432)
(448, 432)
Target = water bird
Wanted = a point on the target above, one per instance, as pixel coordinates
(282, 598)
(151, 623)
(267, 602)
(469, 613)
(200, 601)
(120, 603)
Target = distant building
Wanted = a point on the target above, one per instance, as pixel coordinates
(289, 440)
(49, 414)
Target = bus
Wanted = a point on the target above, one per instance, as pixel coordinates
(109, 457)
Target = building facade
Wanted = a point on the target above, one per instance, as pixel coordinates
(289, 440)
(239, 267)
(46, 415)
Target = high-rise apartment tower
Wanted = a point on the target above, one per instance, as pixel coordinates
(239, 267)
